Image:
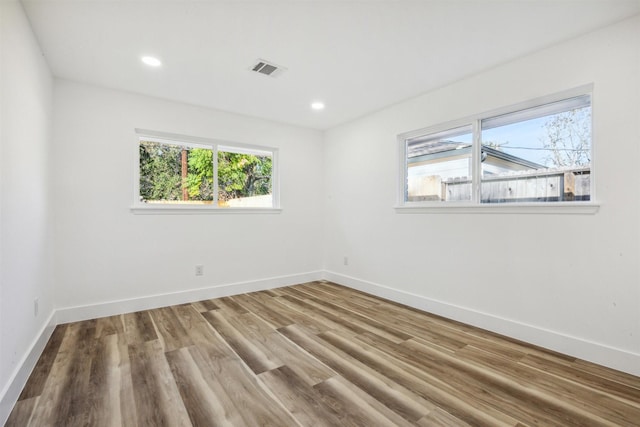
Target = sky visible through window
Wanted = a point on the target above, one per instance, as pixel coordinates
(522, 139)
(529, 139)
(561, 139)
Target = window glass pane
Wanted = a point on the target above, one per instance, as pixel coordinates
(176, 174)
(439, 166)
(244, 178)
(541, 154)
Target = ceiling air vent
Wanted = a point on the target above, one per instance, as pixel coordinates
(267, 68)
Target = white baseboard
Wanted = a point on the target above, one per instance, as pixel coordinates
(601, 354)
(9, 396)
(112, 308)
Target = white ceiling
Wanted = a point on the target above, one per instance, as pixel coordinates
(356, 56)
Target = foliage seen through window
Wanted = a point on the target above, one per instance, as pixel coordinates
(182, 174)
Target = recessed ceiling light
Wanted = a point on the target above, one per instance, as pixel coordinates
(317, 105)
(151, 61)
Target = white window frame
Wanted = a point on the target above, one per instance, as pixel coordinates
(140, 207)
(474, 205)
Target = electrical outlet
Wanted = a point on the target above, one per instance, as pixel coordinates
(346, 260)
(199, 270)
(36, 307)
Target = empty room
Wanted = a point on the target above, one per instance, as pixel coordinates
(319, 213)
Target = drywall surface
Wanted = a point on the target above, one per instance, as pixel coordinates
(107, 253)
(570, 275)
(26, 270)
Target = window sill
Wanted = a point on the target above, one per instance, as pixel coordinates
(199, 210)
(575, 208)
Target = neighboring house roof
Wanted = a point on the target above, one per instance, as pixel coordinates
(431, 150)
(510, 158)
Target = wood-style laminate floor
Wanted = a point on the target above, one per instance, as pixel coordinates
(316, 354)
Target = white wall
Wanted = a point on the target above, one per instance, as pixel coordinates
(26, 269)
(569, 282)
(105, 253)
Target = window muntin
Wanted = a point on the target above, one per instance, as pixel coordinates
(537, 153)
(180, 173)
